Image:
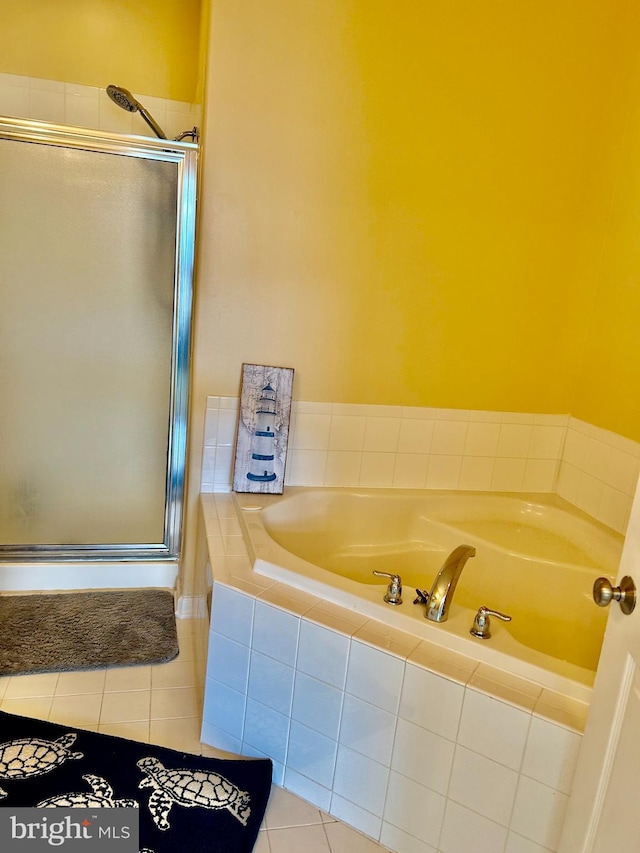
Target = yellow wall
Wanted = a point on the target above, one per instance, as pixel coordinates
(607, 386)
(408, 202)
(148, 46)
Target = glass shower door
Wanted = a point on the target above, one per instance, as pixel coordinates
(96, 256)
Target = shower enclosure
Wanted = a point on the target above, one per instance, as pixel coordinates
(96, 263)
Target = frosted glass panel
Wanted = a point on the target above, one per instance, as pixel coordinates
(87, 273)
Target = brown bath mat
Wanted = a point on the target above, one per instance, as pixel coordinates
(62, 632)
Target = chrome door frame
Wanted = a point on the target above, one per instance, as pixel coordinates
(185, 156)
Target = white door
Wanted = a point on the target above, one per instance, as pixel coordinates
(602, 816)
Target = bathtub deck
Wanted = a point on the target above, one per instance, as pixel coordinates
(366, 723)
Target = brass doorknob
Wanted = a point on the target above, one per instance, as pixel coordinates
(625, 594)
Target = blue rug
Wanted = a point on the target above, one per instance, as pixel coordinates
(184, 802)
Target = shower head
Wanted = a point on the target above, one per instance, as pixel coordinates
(124, 99)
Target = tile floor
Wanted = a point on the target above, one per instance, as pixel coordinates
(162, 704)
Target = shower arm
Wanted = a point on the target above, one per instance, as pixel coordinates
(153, 124)
(194, 133)
(126, 101)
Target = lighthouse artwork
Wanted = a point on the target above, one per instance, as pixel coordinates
(263, 443)
(263, 429)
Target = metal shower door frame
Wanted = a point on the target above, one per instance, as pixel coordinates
(184, 155)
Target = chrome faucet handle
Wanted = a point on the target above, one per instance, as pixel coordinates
(394, 590)
(482, 624)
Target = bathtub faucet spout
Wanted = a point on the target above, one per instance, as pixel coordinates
(444, 585)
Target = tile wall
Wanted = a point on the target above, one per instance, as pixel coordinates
(88, 106)
(334, 444)
(599, 472)
(420, 748)
(424, 751)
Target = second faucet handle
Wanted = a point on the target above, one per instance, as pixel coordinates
(482, 623)
(394, 590)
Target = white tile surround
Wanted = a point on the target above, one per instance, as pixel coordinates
(422, 749)
(336, 444)
(425, 751)
(71, 104)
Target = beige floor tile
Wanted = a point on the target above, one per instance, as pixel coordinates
(25, 686)
(4, 683)
(175, 702)
(121, 678)
(36, 706)
(81, 711)
(74, 683)
(138, 731)
(344, 839)
(311, 839)
(285, 809)
(262, 843)
(177, 673)
(125, 707)
(195, 638)
(188, 647)
(182, 734)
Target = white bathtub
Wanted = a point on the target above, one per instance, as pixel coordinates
(536, 560)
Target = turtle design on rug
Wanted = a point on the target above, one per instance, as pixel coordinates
(193, 803)
(100, 796)
(190, 788)
(32, 756)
